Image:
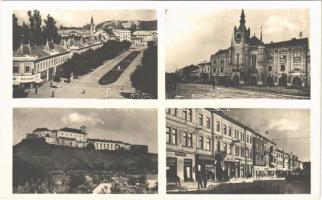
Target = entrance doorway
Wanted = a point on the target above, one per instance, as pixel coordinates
(187, 170)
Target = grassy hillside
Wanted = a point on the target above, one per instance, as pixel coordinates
(132, 25)
(33, 159)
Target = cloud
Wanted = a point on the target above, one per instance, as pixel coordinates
(79, 119)
(284, 124)
(282, 24)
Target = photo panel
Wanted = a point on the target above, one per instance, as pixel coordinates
(238, 53)
(238, 151)
(85, 151)
(92, 54)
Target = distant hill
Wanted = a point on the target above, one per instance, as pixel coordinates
(132, 25)
(37, 158)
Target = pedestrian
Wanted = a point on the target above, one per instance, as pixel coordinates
(199, 177)
(51, 84)
(205, 179)
(53, 93)
(36, 89)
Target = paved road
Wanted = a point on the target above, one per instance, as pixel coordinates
(201, 91)
(89, 83)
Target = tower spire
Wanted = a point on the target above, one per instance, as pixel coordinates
(261, 37)
(242, 18)
(92, 20)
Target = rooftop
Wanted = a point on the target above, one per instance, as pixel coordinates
(72, 130)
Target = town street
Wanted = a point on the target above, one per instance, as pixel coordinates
(203, 91)
(87, 86)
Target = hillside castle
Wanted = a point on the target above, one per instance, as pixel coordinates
(73, 137)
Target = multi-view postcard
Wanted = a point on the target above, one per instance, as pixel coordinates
(253, 53)
(98, 54)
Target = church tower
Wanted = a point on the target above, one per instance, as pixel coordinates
(92, 26)
(239, 44)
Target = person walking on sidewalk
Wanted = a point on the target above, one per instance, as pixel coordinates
(199, 176)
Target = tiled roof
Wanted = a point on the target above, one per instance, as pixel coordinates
(254, 41)
(73, 130)
(292, 42)
(39, 51)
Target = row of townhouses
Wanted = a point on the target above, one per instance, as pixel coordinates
(209, 140)
(78, 138)
(248, 60)
(33, 65)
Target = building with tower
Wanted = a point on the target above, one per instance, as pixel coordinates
(249, 60)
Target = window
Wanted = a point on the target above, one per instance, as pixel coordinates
(218, 146)
(208, 144)
(15, 69)
(190, 115)
(229, 149)
(221, 69)
(208, 122)
(237, 59)
(168, 110)
(200, 119)
(225, 147)
(174, 136)
(225, 129)
(283, 56)
(175, 111)
(270, 57)
(168, 135)
(229, 131)
(269, 68)
(185, 114)
(218, 126)
(282, 68)
(27, 69)
(200, 142)
(187, 139)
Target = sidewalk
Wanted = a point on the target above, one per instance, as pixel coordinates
(193, 186)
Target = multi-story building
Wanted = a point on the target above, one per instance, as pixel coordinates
(112, 145)
(122, 34)
(33, 65)
(248, 60)
(74, 137)
(204, 70)
(209, 141)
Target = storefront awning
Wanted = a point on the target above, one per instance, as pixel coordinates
(39, 80)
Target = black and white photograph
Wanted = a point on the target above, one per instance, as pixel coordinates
(96, 54)
(238, 53)
(85, 151)
(238, 151)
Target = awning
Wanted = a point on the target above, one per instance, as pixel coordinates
(39, 80)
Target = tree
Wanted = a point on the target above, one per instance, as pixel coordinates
(16, 32)
(35, 27)
(90, 146)
(50, 30)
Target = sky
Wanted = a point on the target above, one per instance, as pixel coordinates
(137, 126)
(288, 128)
(79, 18)
(193, 35)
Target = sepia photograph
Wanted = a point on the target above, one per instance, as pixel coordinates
(96, 54)
(238, 151)
(85, 151)
(231, 53)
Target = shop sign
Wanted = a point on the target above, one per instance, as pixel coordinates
(204, 157)
(180, 153)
